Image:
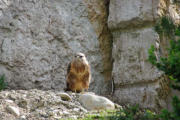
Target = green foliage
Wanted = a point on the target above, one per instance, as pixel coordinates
(128, 113)
(170, 64)
(2, 82)
(175, 114)
(134, 113)
(176, 108)
(177, 32)
(102, 115)
(165, 25)
(152, 58)
(165, 115)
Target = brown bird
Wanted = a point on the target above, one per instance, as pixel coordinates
(78, 74)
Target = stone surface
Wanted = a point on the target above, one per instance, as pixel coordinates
(13, 110)
(98, 16)
(65, 96)
(95, 102)
(174, 12)
(135, 80)
(151, 96)
(38, 39)
(130, 53)
(38, 104)
(41, 105)
(9, 101)
(131, 13)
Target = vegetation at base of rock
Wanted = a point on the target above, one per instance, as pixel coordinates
(128, 113)
(175, 114)
(135, 113)
(2, 82)
(169, 64)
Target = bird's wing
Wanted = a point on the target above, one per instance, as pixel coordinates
(69, 68)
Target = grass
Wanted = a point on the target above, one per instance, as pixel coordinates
(128, 113)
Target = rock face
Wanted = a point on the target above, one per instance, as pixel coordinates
(135, 79)
(131, 13)
(94, 102)
(130, 50)
(38, 39)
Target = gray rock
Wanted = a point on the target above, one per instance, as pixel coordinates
(132, 13)
(65, 96)
(95, 102)
(9, 101)
(135, 80)
(145, 95)
(130, 53)
(23, 117)
(13, 110)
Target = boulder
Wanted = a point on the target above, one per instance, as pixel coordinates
(94, 102)
(125, 14)
(65, 96)
(13, 110)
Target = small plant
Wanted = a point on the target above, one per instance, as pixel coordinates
(170, 64)
(175, 114)
(2, 82)
(165, 26)
(128, 113)
(134, 113)
(102, 115)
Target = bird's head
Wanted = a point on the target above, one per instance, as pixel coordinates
(80, 57)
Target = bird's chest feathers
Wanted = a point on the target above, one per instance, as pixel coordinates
(79, 69)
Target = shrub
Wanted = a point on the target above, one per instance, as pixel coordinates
(128, 113)
(2, 82)
(170, 64)
(165, 26)
(134, 113)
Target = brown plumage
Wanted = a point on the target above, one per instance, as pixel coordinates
(78, 74)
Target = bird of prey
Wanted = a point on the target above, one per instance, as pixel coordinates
(78, 74)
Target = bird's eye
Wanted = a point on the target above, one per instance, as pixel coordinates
(81, 56)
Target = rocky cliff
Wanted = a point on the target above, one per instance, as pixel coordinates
(38, 39)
